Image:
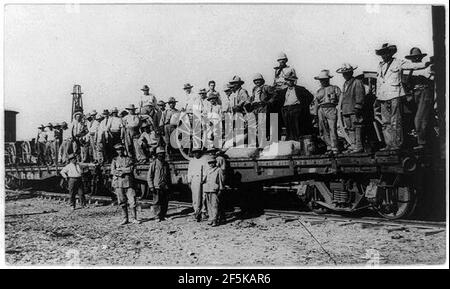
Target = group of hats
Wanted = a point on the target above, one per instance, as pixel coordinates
(56, 124)
(119, 147)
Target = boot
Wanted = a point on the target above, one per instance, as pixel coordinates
(125, 216)
(134, 218)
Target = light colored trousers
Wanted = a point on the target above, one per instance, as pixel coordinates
(197, 195)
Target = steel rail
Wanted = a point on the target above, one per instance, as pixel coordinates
(311, 217)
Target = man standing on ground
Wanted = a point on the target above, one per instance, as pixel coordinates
(213, 186)
(159, 181)
(196, 171)
(123, 183)
(72, 174)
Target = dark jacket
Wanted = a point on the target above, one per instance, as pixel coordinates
(305, 97)
(353, 94)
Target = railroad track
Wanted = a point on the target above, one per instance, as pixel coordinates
(430, 227)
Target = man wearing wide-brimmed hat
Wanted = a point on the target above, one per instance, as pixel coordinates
(78, 130)
(263, 101)
(239, 96)
(190, 97)
(40, 145)
(213, 106)
(421, 91)
(195, 173)
(66, 143)
(147, 98)
(169, 122)
(226, 99)
(213, 185)
(325, 102)
(281, 70)
(295, 101)
(123, 183)
(131, 123)
(352, 104)
(50, 145)
(159, 182)
(390, 93)
(114, 128)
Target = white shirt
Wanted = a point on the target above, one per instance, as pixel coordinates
(71, 170)
(114, 124)
(94, 127)
(291, 97)
(66, 134)
(50, 135)
(389, 77)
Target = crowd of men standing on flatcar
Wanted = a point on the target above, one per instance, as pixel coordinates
(141, 130)
(140, 137)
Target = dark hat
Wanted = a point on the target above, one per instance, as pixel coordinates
(172, 99)
(145, 88)
(187, 86)
(415, 53)
(49, 125)
(161, 103)
(202, 91)
(105, 112)
(386, 48)
(41, 126)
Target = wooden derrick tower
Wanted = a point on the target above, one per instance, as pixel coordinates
(77, 101)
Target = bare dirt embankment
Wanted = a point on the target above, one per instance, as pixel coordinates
(47, 232)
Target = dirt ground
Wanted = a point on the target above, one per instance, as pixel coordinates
(48, 232)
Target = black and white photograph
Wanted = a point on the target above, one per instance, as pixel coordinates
(224, 135)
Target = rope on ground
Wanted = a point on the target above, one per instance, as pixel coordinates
(312, 235)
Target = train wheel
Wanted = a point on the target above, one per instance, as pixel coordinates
(400, 202)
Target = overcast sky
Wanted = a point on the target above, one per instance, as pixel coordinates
(113, 50)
